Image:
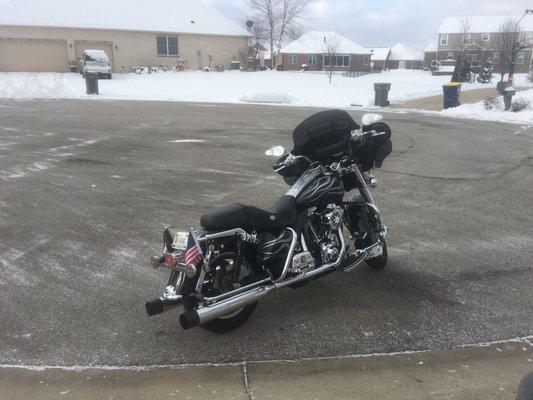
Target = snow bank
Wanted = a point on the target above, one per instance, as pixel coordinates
(478, 111)
(294, 88)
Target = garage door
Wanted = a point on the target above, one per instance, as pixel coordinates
(33, 55)
(82, 45)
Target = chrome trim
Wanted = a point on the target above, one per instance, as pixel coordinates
(288, 260)
(232, 232)
(236, 291)
(317, 271)
(210, 312)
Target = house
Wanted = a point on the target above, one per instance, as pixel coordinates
(479, 41)
(402, 57)
(430, 55)
(379, 57)
(311, 51)
(51, 35)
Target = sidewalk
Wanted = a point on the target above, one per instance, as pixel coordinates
(482, 373)
(434, 103)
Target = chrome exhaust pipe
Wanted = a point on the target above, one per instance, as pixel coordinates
(193, 318)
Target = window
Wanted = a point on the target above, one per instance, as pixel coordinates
(444, 39)
(337, 61)
(450, 55)
(520, 58)
(293, 59)
(485, 37)
(311, 59)
(466, 38)
(167, 45)
(367, 60)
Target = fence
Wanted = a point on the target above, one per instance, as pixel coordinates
(345, 74)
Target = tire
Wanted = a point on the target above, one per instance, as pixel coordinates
(380, 262)
(109, 76)
(231, 322)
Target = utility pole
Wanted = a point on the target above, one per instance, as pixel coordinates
(516, 45)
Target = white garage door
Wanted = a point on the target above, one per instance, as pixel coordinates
(82, 45)
(33, 55)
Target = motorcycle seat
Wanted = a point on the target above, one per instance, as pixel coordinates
(283, 213)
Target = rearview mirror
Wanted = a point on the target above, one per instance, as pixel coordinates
(369, 119)
(276, 151)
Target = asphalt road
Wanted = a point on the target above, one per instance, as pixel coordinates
(86, 188)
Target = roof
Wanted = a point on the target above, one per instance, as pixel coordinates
(378, 53)
(483, 24)
(431, 47)
(314, 43)
(400, 52)
(176, 16)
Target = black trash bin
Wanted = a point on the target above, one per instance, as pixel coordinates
(452, 92)
(382, 94)
(91, 82)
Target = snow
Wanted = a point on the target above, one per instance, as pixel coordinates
(314, 43)
(400, 52)
(478, 111)
(378, 53)
(290, 88)
(273, 87)
(431, 47)
(177, 16)
(484, 24)
(97, 54)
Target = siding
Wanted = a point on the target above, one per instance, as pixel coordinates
(129, 48)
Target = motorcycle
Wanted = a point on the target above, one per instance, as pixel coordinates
(327, 221)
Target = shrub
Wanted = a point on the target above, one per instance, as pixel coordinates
(490, 103)
(530, 77)
(520, 105)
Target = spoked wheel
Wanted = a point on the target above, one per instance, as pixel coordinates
(225, 280)
(380, 262)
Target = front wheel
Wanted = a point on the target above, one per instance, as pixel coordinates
(379, 262)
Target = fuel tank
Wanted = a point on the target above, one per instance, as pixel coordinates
(322, 190)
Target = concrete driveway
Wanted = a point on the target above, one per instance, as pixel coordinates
(86, 188)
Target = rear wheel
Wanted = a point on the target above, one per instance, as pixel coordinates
(380, 262)
(223, 282)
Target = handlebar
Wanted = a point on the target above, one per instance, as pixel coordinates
(359, 136)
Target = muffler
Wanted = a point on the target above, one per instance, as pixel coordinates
(159, 306)
(195, 317)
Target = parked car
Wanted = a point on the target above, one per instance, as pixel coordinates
(443, 67)
(95, 61)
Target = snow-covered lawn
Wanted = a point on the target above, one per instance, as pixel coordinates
(288, 88)
(479, 111)
(292, 88)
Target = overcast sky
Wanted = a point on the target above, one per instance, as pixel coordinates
(386, 22)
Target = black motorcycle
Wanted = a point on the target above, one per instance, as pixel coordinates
(242, 253)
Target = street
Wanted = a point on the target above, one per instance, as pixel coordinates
(86, 188)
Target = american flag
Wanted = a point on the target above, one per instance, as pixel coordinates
(194, 253)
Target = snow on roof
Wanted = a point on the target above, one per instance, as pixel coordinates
(178, 16)
(378, 53)
(400, 52)
(484, 24)
(431, 47)
(313, 43)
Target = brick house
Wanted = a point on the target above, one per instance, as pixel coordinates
(310, 51)
(479, 43)
(430, 55)
(379, 57)
(402, 57)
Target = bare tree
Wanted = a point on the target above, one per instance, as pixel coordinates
(295, 31)
(330, 49)
(507, 46)
(267, 12)
(277, 16)
(291, 13)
